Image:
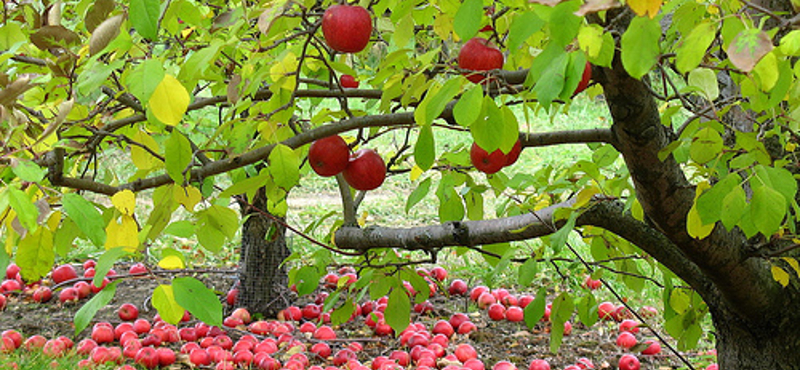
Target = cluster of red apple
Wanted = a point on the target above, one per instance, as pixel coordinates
(363, 170)
(490, 163)
(40, 291)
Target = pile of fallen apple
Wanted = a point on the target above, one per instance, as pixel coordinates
(303, 339)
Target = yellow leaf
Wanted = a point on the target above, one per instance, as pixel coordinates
(122, 234)
(171, 262)
(584, 196)
(780, 276)
(363, 219)
(124, 201)
(793, 262)
(141, 158)
(169, 101)
(187, 196)
(695, 226)
(645, 7)
(415, 173)
(54, 221)
(283, 72)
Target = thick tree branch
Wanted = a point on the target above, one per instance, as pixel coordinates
(666, 197)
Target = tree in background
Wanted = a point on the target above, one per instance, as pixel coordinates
(213, 100)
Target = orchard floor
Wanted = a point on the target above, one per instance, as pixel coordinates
(494, 340)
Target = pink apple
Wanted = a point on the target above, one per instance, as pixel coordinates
(465, 352)
(504, 365)
(476, 292)
(629, 325)
(539, 365)
(63, 273)
(439, 273)
(457, 287)
(626, 340)
(653, 348)
(128, 312)
(629, 362)
(485, 300)
(497, 312)
(515, 314)
(606, 310)
(443, 327)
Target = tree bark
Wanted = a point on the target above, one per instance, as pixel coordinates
(262, 278)
(766, 345)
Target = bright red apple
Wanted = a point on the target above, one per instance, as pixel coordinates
(348, 81)
(629, 362)
(12, 270)
(42, 294)
(366, 170)
(68, 295)
(626, 340)
(478, 54)
(485, 162)
(515, 314)
(329, 156)
(653, 348)
(346, 28)
(606, 310)
(465, 352)
(539, 365)
(497, 312)
(128, 312)
(63, 273)
(458, 287)
(439, 273)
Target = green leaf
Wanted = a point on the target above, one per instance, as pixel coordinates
(522, 27)
(587, 309)
(469, 106)
(201, 302)
(564, 24)
(307, 280)
(381, 286)
(527, 272)
(451, 208)
(284, 166)
(86, 313)
(679, 301)
(473, 200)
(694, 46)
(467, 21)
(436, 101)
(247, 186)
(708, 204)
(86, 216)
(65, 236)
(767, 209)
(734, 205)
(177, 156)
(496, 128)
(144, 78)
(27, 170)
(398, 310)
(215, 225)
(425, 148)
(706, 80)
(168, 308)
(181, 229)
(561, 311)
(559, 238)
(418, 194)
(35, 254)
(534, 311)
(26, 210)
(144, 16)
(105, 263)
(552, 80)
(779, 179)
(343, 313)
(706, 145)
(640, 46)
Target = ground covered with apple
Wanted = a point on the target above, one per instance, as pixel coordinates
(459, 327)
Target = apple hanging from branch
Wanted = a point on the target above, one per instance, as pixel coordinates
(478, 54)
(366, 170)
(346, 28)
(329, 156)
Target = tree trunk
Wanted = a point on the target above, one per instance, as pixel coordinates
(743, 345)
(262, 280)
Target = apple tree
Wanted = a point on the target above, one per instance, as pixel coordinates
(125, 121)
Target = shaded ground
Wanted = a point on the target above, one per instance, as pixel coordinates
(494, 341)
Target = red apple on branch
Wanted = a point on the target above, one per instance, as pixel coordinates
(366, 170)
(348, 81)
(478, 54)
(346, 28)
(329, 156)
(486, 162)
